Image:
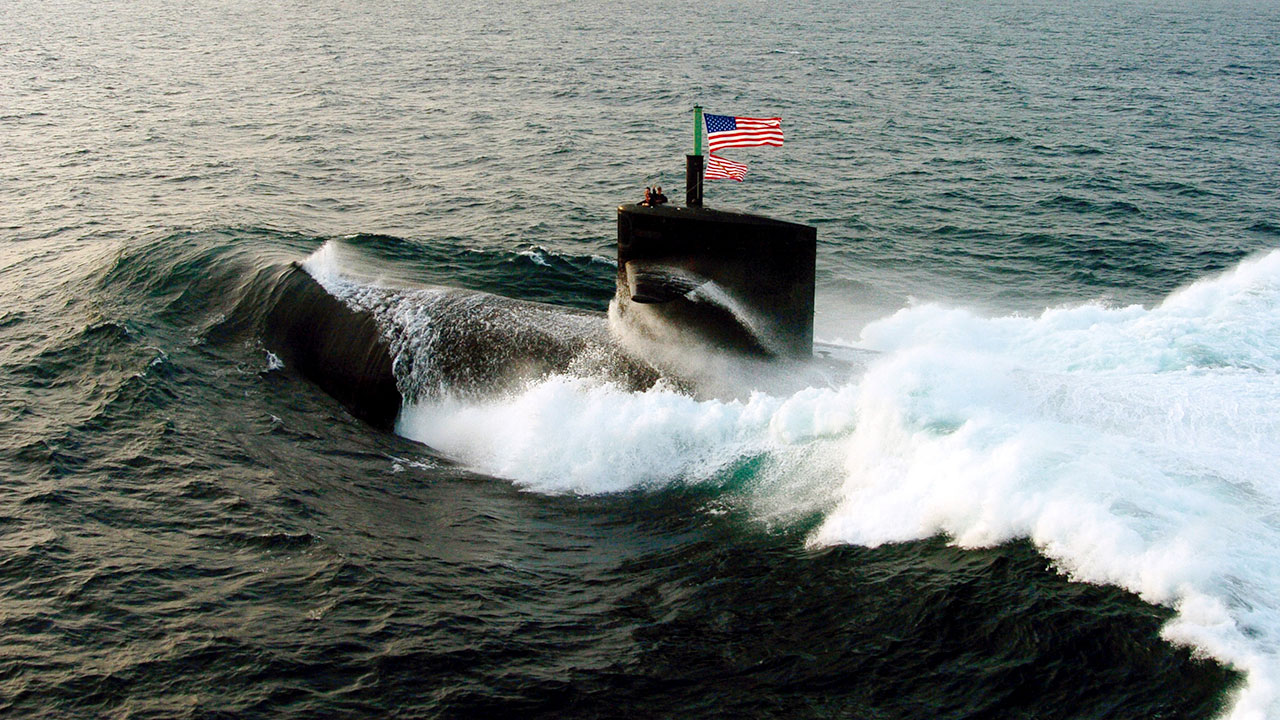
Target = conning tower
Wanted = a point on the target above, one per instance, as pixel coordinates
(731, 280)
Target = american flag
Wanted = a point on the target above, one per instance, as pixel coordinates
(720, 169)
(724, 131)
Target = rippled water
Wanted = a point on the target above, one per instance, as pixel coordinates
(1050, 493)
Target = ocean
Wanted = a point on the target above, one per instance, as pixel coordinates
(1049, 489)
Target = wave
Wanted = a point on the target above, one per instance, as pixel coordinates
(1133, 446)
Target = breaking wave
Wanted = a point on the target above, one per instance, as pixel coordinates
(1133, 446)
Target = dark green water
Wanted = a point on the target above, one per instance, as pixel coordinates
(1007, 511)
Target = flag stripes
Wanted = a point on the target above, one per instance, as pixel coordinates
(720, 169)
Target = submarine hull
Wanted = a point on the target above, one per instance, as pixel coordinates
(708, 300)
(363, 351)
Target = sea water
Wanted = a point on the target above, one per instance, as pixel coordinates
(1045, 485)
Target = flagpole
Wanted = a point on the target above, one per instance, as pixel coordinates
(693, 164)
(697, 129)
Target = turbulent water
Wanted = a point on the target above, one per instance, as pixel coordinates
(1049, 231)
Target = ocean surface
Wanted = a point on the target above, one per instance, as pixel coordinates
(1050, 491)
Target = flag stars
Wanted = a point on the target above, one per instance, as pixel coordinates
(720, 123)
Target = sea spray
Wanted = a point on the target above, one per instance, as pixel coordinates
(567, 434)
(1134, 447)
(446, 342)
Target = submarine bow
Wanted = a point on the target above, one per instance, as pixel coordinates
(339, 348)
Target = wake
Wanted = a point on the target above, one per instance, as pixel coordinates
(1133, 446)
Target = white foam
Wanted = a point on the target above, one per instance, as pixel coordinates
(325, 265)
(537, 254)
(1136, 447)
(570, 435)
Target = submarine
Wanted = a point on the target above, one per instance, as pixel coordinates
(706, 300)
